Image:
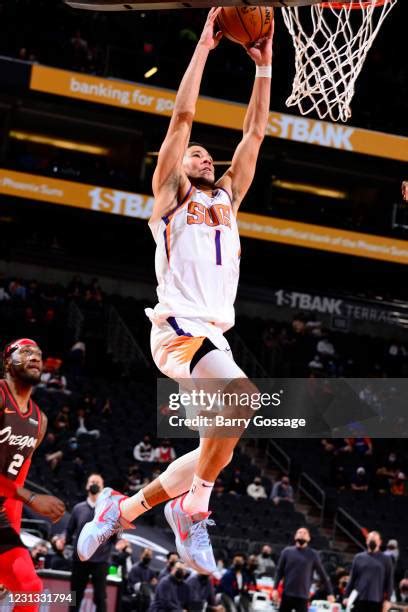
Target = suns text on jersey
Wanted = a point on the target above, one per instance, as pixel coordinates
(217, 214)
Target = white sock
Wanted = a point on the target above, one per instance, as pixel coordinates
(178, 477)
(198, 497)
(134, 506)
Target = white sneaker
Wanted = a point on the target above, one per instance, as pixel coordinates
(106, 522)
(192, 539)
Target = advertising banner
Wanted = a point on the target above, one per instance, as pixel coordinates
(219, 113)
(261, 227)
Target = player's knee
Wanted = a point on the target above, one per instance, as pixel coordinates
(28, 584)
(29, 581)
(241, 390)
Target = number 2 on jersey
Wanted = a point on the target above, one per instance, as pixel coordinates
(16, 464)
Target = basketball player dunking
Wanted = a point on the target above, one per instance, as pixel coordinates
(22, 427)
(197, 265)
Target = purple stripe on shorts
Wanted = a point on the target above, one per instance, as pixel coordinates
(180, 332)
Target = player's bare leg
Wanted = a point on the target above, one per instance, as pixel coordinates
(188, 516)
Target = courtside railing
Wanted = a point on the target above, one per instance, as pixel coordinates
(246, 359)
(75, 320)
(120, 341)
(313, 492)
(345, 523)
(278, 456)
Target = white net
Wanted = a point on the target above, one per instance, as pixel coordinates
(331, 46)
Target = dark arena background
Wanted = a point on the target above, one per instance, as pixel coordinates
(85, 99)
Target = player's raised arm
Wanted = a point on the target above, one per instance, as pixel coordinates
(168, 179)
(239, 176)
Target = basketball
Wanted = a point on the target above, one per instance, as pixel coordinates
(245, 24)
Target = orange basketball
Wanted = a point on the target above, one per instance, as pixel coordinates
(245, 24)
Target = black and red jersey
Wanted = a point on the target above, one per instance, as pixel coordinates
(19, 434)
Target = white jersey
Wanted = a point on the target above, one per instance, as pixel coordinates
(197, 259)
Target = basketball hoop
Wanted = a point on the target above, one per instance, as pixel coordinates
(331, 41)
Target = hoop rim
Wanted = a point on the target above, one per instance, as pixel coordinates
(353, 4)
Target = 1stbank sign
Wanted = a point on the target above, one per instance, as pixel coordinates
(218, 113)
(307, 131)
(259, 227)
(78, 195)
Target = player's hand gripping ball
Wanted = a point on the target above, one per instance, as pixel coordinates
(245, 24)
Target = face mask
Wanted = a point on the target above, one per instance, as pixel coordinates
(300, 541)
(94, 489)
(238, 566)
(372, 545)
(179, 574)
(265, 555)
(146, 560)
(172, 563)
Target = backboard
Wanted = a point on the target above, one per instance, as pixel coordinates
(143, 5)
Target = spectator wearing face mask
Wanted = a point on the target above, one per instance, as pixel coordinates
(403, 590)
(236, 485)
(252, 568)
(266, 565)
(393, 552)
(141, 572)
(359, 482)
(282, 491)
(296, 567)
(96, 568)
(202, 593)
(235, 583)
(122, 556)
(387, 471)
(340, 588)
(398, 484)
(172, 594)
(165, 453)
(371, 576)
(144, 450)
(172, 558)
(256, 490)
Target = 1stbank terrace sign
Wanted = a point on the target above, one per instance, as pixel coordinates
(364, 311)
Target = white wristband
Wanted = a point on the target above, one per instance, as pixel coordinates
(264, 71)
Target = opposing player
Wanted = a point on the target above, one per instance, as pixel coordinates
(197, 265)
(22, 427)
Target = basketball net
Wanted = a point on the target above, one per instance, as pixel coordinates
(331, 43)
